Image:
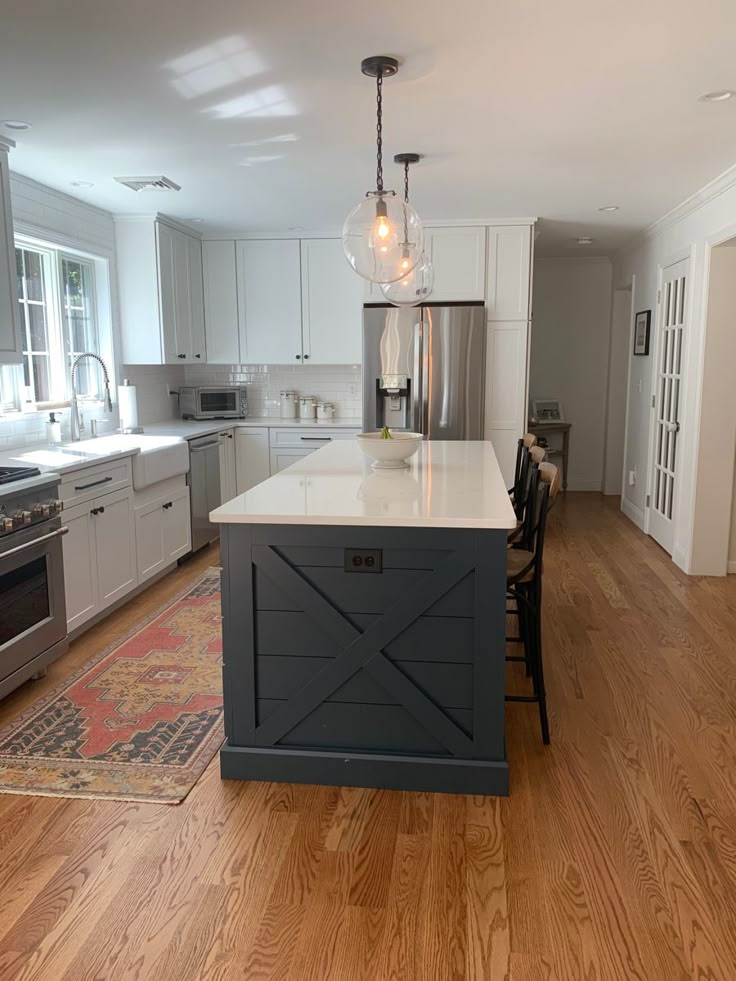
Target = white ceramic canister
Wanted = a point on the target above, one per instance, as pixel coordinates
(307, 407)
(325, 410)
(288, 405)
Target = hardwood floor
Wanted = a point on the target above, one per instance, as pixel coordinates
(613, 858)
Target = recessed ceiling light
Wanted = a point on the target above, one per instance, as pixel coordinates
(81, 183)
(296, 228)
(609, 207)
(584, 241)
(196, 221)
(16, 124)
(722, 95)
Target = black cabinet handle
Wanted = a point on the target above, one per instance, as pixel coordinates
(95, 483)
(167, 506)
(95, 511)
(101, 510)
(315, 439)
(181, 355)
(197, 355)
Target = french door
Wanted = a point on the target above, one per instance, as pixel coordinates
(672, 315)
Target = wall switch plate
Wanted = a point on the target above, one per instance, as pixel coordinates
(363, 560)
(632, 477)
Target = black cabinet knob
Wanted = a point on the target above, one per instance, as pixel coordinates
(181, 355)
(101, 510)
(306, 357)
(298, 357)
(197, 355)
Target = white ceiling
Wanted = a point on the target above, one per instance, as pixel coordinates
(260, 112)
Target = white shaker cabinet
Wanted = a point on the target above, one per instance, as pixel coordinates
(270, 301)
(11, 346)
(162, 526)
(228, 486)
(332, 304)
(161, 292)
(99, 555)
(459, 259)
(509, 266)
(222, 328)
(252, 461)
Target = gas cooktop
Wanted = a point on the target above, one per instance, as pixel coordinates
(9, 474)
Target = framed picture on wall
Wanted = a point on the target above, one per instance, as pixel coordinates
(642, 324)
(547, 410)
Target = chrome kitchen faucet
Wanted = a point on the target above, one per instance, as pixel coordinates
(77, 425)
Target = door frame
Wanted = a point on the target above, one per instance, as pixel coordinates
(630, 288)
(686, 255)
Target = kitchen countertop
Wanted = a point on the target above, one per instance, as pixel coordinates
(190, 428)
(69, 457)
(447, 485)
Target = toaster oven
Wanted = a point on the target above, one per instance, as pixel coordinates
(212, 402)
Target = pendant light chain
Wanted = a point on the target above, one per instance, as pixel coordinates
(379, 131)
(406, 181)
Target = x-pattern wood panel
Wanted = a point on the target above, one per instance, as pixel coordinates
(355, 650)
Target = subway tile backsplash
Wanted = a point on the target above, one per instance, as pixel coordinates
(340, 384)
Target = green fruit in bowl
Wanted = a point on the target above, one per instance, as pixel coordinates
(386, 433)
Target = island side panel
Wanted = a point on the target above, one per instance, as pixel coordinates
(411, 715)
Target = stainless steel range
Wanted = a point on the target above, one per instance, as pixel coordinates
(32, 606)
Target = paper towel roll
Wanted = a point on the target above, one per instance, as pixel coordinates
(127, 406)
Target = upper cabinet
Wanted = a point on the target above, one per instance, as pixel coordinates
(459, 259)
(509, 264)
(222, 328)
(332, 304)
(270, 301)
(161, 293)
(11, 348)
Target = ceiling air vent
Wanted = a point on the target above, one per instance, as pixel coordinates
(148, 183)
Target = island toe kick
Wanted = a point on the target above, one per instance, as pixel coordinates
(365, 656)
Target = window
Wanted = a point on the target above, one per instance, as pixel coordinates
(57, 299)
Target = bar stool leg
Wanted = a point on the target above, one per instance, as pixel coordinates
(538, 667)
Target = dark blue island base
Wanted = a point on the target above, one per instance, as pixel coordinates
(365, 656)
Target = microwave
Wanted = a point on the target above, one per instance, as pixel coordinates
(212, 402)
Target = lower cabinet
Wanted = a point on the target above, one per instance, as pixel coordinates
(228, 482)
(99, 555)
(284, 457)
(290, 445)
(252, 464)
(162, 526)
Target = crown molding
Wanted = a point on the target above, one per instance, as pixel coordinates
(158, 216)
(336, 232)
(708, 192)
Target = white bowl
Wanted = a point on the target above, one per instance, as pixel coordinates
(389, 454)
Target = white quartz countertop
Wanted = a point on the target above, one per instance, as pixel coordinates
(447, 485)
(189, 428)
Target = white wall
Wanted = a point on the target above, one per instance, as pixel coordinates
(618, 362)
(569, 355)
(690, 231)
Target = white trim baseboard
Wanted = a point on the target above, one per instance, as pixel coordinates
(731, 567)
(633, 513)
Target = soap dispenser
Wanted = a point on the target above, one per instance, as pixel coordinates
(53, 429)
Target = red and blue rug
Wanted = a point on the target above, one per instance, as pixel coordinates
(138, 722)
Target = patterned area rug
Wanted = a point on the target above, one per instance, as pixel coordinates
(139, 721)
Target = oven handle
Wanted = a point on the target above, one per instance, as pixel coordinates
(36, 541)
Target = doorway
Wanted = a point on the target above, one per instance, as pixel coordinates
(672, 314)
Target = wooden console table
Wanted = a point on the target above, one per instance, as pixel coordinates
(543, 429)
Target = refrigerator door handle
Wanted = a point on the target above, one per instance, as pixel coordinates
(417, 395)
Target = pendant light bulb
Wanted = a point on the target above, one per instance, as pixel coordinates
(417, 281)
(382, 236)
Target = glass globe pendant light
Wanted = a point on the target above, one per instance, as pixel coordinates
(382, 236)
(416, 285)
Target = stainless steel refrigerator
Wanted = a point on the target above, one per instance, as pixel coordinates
(424, 369)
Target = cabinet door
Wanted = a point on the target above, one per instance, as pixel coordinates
(459, 259)
(270, 301)
(283, 458)
(252, 463)
(11, 347)
(222, 336)
(80, 566)
(168, 291)
(227, 465)
(149, 540)
(195, 313)
(509, 262)
(177, 526)
(115, 548)
(332, 304)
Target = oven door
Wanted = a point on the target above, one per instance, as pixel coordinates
(218, 402)
(32, 606)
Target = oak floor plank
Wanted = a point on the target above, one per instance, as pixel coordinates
(614, 858)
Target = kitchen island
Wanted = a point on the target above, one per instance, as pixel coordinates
(364, 622)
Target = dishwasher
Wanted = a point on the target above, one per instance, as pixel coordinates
(204, 488)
